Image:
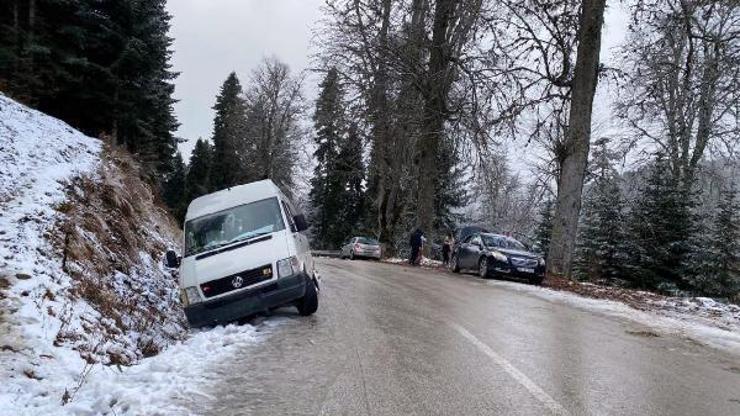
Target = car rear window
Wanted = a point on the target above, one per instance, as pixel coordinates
(365, 240)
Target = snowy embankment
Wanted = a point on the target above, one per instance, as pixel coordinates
(84, 298)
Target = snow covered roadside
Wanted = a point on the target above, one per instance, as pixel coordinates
(83, 292)
(691, 324)
(167, 384)
(425, 262)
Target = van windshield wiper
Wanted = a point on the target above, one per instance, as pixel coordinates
(233, 244)
(247, 236)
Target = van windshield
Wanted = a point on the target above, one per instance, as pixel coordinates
(234, 224)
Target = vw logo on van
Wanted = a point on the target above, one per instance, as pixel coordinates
(237, 282)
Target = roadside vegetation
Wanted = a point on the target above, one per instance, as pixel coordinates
(441, 92)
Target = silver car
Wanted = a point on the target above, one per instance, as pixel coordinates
(361, 247)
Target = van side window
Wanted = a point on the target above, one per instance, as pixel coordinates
(289, 214)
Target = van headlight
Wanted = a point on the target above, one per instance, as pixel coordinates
(500, 257)
(190, 296)
(288, 267)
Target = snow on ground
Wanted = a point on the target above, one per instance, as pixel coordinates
(695, 319)
(425, 262)
(167, 384)
(65, 331)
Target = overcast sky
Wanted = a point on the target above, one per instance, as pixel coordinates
(215, 37)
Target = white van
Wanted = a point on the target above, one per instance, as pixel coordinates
(243, 253)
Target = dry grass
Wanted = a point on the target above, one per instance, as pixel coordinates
(634, 298)
(4, 282)
(106, 223)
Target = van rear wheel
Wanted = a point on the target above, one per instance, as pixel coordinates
(309, 303)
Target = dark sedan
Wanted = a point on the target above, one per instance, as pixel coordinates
(492, 255)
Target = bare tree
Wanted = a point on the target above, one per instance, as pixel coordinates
(549, 89)
(453, 22)
(503, 201)
(577, 139)
(477, 69)
(682, 89)
(274, 135)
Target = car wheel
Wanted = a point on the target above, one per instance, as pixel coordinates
(309, 303)
(483, 268)
(454, 266)
(351, 255)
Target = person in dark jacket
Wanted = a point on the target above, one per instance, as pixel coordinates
(447, 249)
(415, 242)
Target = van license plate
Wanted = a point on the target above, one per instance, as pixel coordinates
(526, 270)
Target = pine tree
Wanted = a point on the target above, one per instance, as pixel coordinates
(198, 178)
(544, 226)
(174, 188)
(600, 251)
(726, 245)
(715, 260)
(228, 134)
(102, 66)
(326, 185)
(450, 192)
(350, 171)
(143, 117)
(660, 227)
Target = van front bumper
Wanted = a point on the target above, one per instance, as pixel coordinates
(248, 302)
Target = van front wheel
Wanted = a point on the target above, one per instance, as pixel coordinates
(309, 303)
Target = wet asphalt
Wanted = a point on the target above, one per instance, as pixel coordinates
(396, 340)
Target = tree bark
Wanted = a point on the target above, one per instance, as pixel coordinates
(437, 85)
(381, 129)
(707, 104)
(577, 140)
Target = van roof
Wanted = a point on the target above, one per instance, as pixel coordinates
(231, 197)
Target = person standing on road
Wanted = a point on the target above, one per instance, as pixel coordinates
(447, 249)
(415, 242)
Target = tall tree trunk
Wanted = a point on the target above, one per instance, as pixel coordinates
(707, 104)
(577, 140)
(434, 113)
(381, 129)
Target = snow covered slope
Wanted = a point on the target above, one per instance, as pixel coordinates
(82, 286)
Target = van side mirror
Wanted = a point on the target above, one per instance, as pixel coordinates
(171, 259)
(300, 222)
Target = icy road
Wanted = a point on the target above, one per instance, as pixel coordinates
(391, 340)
